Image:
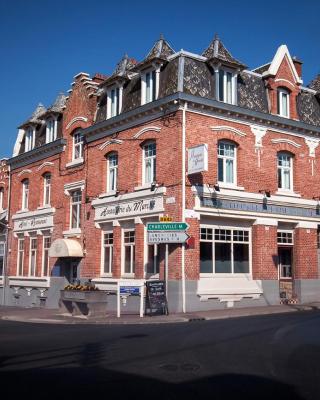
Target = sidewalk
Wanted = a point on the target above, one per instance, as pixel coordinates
(41, 315)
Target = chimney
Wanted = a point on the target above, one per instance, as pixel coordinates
(298, 65)
(98, 78)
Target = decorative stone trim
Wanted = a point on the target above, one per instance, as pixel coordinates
(146, 129)
(228, 128)
(25, 171)
(45, 164)
(76, 119)
(287, 141)
(108, 142)
(70, 187)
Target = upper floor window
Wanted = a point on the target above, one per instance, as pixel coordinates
(25, 194)
(114, 102)
(285, 176)
(283, 102)
(149, 87)
(46, 189)
(51, 131)
(227, 162)
(77, 146)
(1, 198)
(29, 139)
(149, 162)
(76, 197)
(112, 174)
(226, 86)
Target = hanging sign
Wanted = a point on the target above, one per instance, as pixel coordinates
(197, 159)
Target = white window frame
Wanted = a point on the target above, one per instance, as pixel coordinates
(285, 231)
(154, 89)
(44, 249)
(110, 249)
(153, 159)
(280, 93)
(20, 256)
(47, 189)
(51, 130)
(78, 205)
(34, 252)
(282, 168)
(111, 168)
(234, 78)
(154, 273)
(1, 198)
(215, 274)
(79, 144)
(30, 139)
(118, 106)
(132, 245)
(25, 194)
(224, 158)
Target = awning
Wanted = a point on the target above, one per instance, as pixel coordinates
(65, 248)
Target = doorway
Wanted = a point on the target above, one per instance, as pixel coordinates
(285, 273)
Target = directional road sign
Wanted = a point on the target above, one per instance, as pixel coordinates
(167, 226)
(167, 237)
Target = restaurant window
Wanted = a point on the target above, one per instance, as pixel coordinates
(33, 256)
(129, 252)
(107, 253)
(224, 251)
(20, 258)
(76, 198)
(152, 267)
(45, 255)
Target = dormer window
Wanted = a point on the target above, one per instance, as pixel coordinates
(114, 102)
(149, 86)
(283, 102)
(51, 131)
(226, 86)
(30, 139)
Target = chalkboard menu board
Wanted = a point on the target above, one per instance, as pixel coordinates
(156, 300)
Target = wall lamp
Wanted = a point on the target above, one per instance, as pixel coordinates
(117, 193)
(266, 195)
(153, 186)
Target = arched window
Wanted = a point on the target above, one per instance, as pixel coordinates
(283, 102)
(25, 194)
(112, 172)
(285, 171)
(46, 189)
(149, 162)
(227, 162)
(77, 145)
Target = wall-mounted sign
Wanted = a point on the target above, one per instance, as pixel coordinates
(197, 159)
(167, 237)
(33, 223)
(165, 218)
(130, 208)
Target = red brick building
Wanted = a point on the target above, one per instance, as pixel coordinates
(231, 151)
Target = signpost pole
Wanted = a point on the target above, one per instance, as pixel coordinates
(141, 300)
(167, 267)
(118, 300)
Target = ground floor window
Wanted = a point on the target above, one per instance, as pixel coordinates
(285, 243)
(224, 251)
(129, 252)
(33, 256)
(1, 258)
(107, 253)
(20, 258)
(152, 267)
(45, 255)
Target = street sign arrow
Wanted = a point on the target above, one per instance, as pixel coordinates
(167, 237)
(168, 226)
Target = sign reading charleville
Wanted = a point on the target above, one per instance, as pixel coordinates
(129, 208)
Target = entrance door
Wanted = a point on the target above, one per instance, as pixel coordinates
(285, 273)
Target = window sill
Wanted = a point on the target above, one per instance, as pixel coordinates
(44, 207)
(289, 193)
(25, 210)
(223, 185)
(75, 163)
(143, 187)
(106, 276)
(107, 194)
(76, 232)
(129, 276)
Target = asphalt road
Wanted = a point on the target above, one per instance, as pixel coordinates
(266, 357)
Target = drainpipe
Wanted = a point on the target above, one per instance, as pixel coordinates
(6, 252)
(183, 270)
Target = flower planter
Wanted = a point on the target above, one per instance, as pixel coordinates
(83, 302)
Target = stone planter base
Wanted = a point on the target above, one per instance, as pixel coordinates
(91, 304)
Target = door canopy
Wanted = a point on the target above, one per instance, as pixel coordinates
(65, 248)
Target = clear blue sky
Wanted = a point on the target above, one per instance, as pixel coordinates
(43, 44)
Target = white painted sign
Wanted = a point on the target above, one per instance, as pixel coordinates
(167, 237)
(129, 208)
(197, 159)
(33, 223)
